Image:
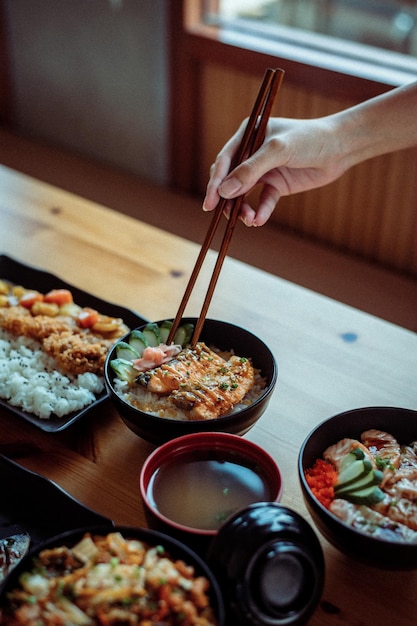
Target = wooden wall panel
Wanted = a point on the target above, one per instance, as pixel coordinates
(6, 88)
(371, 211)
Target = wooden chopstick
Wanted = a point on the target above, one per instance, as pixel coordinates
(252, 139)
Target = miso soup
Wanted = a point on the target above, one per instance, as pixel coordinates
(202, 492)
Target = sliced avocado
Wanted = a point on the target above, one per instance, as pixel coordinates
(353, 472)
(124, 370)
(369, 495)
(126, 351)
(151, 332)
(138, 341)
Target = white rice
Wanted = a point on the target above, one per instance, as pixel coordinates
(30, 380)
(163, 406)
(138, 397)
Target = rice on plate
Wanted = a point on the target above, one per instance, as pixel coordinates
(30, 380)
(52, 350)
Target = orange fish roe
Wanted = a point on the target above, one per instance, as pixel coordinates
(321, 479)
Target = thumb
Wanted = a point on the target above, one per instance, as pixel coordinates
(246, 175)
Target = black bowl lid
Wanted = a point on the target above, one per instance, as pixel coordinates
(270, 566)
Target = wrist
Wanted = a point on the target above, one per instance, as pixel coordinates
(383, 124)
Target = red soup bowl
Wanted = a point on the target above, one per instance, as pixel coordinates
(191, 485)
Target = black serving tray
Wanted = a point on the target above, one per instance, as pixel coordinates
(32, 277)
(36, 505)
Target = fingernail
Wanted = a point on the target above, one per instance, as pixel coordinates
(230, 187)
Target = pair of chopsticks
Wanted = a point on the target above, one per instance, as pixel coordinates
(252, 139)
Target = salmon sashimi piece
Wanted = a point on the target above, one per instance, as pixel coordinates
(403, 488)
(201, 382)
(336, 452)
(400, 501)
(383, 446)
(370, 521)
(408, 458)
(404, 479)
(398, 509)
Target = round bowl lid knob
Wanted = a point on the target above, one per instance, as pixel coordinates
(283, 580)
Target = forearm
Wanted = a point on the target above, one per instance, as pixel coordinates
(383, 124)
(298, 155)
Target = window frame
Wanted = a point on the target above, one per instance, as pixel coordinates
(315, 49)
(193, 44)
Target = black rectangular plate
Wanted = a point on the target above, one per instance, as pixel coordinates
(34, 278)
(33, 504)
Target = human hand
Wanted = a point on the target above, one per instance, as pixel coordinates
(296, 155)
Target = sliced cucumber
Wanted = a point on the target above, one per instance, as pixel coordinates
(373, 477)
(164, 331)
(138, 341)
(357, 454)
(124, 370)
(369, 496)
(353, 472)
(151, 333)
(184, 334)
(126, 351)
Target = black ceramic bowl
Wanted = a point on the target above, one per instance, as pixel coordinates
(402, 423)
(175, 549)
(224, 336)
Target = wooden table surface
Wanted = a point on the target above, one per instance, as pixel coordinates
(322, 371)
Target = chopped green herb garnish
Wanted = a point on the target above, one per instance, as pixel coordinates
(383, 463)
(60, 588)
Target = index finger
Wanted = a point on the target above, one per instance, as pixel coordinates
(220, 169)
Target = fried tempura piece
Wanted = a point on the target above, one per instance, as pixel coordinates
(77, 352)
(19, 321)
